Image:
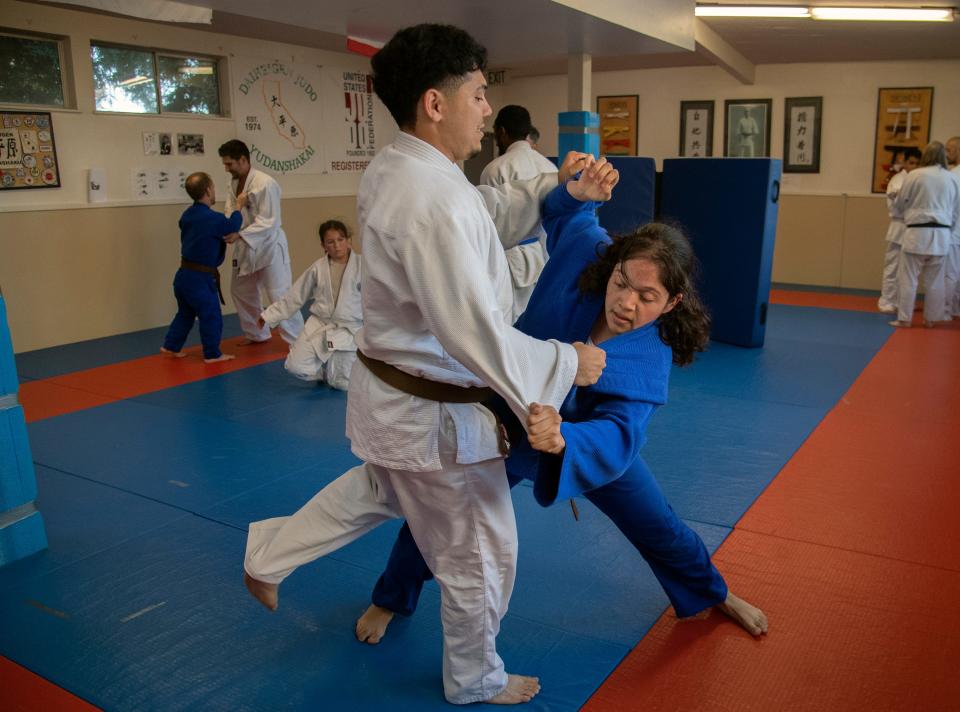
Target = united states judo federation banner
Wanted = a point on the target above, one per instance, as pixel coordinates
(308, 119)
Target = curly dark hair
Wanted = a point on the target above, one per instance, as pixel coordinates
(335, 225)
(686, 328)
(419, 58)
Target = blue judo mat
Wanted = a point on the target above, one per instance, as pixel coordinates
(138, 603)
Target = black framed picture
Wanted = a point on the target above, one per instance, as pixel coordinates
(802, 119)
(746, 127)
(696, 128)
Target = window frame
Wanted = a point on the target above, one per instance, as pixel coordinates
(155, 52)
(66, 73)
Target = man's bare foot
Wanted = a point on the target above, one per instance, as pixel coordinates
(175, 354)
(218, 359)
(253, 342)
(901, 324)
(373, 624)
(750, 617)
(266, 593)
(520, 689)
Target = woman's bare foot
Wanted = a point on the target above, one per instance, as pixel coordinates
(175, 354)
(750, 617)
(900, 324)
(373, 624)
(218, 359)
(520, 689)
(266, 593)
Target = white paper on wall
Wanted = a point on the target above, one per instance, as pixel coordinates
(159, 184)
(96, 185)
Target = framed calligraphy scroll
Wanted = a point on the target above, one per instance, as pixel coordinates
(903, 121)
(696, 128)
(801, 134)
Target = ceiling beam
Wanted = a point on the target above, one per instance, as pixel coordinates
(712, 46)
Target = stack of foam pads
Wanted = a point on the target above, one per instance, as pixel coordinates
(21, 526)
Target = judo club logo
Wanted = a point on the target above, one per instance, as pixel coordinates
(279, 114)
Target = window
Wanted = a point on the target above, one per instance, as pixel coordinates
(30, 70)
(145, 81)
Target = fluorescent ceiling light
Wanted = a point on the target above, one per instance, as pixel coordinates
(751, 11)
(889, 14)
(195, 70)
(134, 81)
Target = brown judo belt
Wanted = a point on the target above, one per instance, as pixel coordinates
(435, 391)
(443, 393)
(197, 267)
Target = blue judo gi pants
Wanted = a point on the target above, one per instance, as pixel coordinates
(197, 298)
(635, 503)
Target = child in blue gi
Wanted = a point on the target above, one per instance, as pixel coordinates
(204, 234)
(637, 301)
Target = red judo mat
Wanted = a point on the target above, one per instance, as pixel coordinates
(25, 692)
(71, 392)
(853, 551)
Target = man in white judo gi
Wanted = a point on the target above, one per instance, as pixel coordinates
(891, 259)
(326, 348)
(951, 281)
(261, 258)
(519, 161)
(436, 339)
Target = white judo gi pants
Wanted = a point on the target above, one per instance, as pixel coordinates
(462, 519)
(310, 360)
(951, 282)
(275, 280)
(914, 268)
(888, 289)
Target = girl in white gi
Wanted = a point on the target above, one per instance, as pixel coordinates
(891, 259)
(326, 348)
(930, 203)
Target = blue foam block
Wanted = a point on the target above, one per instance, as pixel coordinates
(22, 538)
(8, 367)
(579, 131)
(17, 483)
(632, 204)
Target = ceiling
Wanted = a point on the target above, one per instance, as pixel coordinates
(535, 37)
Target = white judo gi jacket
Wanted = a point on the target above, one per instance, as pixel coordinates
(897, 226)
(929, 194)
(521, 162)
(334, 320)
(263, 241)
(438, 303)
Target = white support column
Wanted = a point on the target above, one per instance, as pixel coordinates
(579, 70)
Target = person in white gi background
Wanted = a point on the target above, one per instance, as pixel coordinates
(951, 281)
(929, 200)
(437, 310)
(326, 348)
(747, 130)
(261, 258)
(519, 161)
(891, 259)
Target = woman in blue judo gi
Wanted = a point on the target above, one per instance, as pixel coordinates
(632, 295)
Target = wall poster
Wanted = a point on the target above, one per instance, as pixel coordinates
(618, 125)
(696, 128)
(903, 121)
(28, 153)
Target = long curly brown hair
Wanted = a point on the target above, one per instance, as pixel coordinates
(686, 328)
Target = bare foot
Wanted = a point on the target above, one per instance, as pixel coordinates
(887, 310)
(750, 617)
(928, 324)
(266, 593)
(253, 342)
(519, 689)
(218, 359)
(373, 624)
(901, 324)
(175, 354)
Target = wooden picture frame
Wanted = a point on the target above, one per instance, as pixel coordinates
(903, 121)
(802, 123)
(618, 124)
(28, 150)
(746, 127)
(696, 128)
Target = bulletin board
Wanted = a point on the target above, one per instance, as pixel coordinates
(28, 153)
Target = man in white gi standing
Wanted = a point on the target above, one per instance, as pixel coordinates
(891, 259)
(519, 161)
(437, 305)
(952, 277)
(261, 258)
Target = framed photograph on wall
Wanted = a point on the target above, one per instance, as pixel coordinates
(746, 127)
(802, 119)
(618, 125)
(903, 121)
(696, 128)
